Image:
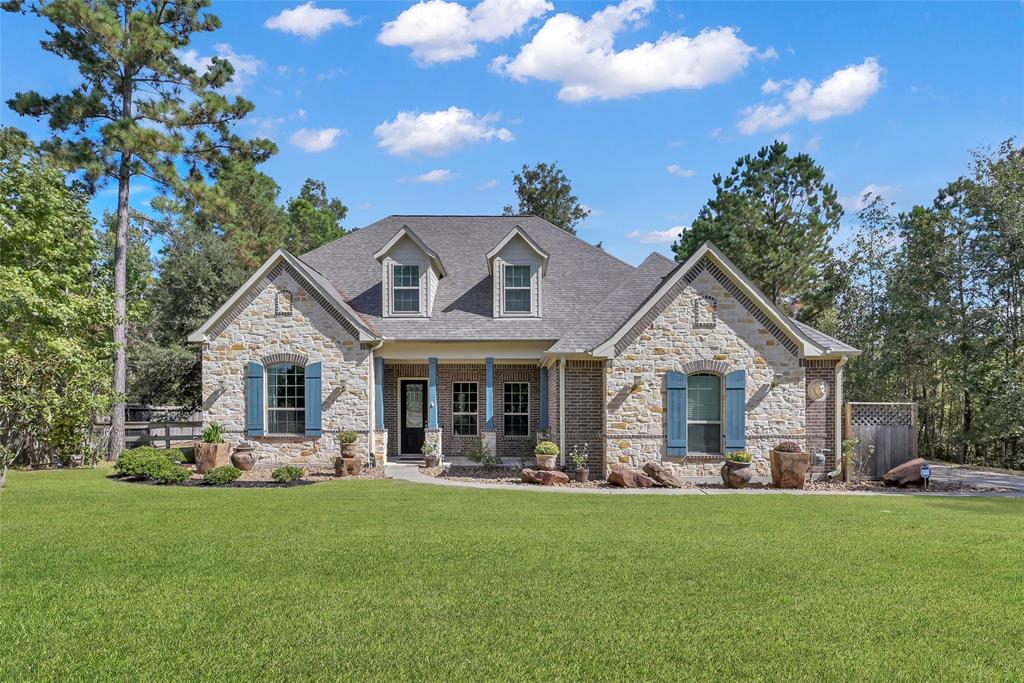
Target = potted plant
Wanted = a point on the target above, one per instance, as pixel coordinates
(429, 451)
(737, 470)
(349, 462)
(546, 452)
(581, 458)
(212, 452)
(789, 465)
(244, 456)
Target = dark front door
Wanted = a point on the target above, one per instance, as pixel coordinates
(414, 415)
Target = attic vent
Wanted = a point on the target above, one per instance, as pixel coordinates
(705, 311)
(283, 303)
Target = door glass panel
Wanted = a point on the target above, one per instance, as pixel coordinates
(414, 406)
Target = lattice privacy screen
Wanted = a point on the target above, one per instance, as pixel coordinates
(882, 414)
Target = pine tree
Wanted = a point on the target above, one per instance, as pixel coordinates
(139, 111)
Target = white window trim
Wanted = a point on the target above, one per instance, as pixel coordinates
(419, 293)
(505, 287)
(721, 413)
(475, 413)
(505, 412)
(266, 402)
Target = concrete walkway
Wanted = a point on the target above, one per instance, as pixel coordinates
(971, 477)
(412, 474)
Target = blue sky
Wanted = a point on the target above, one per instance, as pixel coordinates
(429, 108)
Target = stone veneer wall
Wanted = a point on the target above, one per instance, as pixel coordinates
(821, 415)
(455, 446)
(674, 340)
(310, 332)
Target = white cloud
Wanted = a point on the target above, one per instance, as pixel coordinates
(656, 236)
(856, 202)
(438, 175)
(438, 31)
(308, 20)
(246, 66)
(315, 140)
(437, 133)
(844, 92)
(813, 145)
(581, 56)
(488, 184)
(770, 86)
(679, 171)
(769, 54)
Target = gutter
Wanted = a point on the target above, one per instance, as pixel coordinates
(839, 382)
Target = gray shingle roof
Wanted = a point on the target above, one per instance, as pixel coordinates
(823, 340)
(579, 277)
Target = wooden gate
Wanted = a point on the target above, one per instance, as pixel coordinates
(887, 434)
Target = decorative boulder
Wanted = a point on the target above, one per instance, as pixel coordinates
(907, 474)
(348, 466)
(545, 477)
(629, 478)
(662, 475)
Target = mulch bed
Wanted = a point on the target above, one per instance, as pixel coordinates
(511, 476)
(259, 477)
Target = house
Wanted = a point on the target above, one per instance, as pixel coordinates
(453, 329)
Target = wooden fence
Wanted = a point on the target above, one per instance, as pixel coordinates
(887, 434)
(160, 426)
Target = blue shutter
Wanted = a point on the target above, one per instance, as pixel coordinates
(489, 395)
(675, 413)
(314, 399)
(432, 393)
(543, 398)
(254, 400)
(735, 411)
(378, 381)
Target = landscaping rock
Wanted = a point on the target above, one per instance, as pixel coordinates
(344, 467)
(545, 477)
(662, 475)
(907, 474)
(629, 478)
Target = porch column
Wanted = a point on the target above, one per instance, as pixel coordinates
(432, 395)
(378, 393)
(489, 395)
(543, 398)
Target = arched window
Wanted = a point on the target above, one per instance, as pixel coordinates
(704, 413)
(286, 399)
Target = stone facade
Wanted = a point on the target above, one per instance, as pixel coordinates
(686, 336)
(264, 331)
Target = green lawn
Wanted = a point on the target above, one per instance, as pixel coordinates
(386, 580)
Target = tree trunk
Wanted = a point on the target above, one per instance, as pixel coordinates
(117, 416)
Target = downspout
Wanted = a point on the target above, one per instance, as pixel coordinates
(561, 411)
(834, 474)
(371, 414)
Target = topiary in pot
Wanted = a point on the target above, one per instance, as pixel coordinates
(736, 471)
(789, 465)
(546, 452)
(580, 456)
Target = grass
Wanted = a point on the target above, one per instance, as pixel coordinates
(385, 580)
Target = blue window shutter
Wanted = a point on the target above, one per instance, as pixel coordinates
(675, 412)
(378, 381)
(543, 398)
(735, 411)
(489, 395)
(314, 399)
(254, 400)
(432, 393)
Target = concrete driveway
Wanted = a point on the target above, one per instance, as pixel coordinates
(959, 475)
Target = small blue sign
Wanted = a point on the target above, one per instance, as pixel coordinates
(926, 471)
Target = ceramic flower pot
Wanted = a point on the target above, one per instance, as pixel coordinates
(210, 455)
(789, 470)
(736, 475)
(582, 475)
(546, 462)
(244, 459)
(349, 450)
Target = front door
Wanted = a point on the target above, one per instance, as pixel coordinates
(413, 415)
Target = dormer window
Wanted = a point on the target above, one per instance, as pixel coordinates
(405, 289)
(518, 289)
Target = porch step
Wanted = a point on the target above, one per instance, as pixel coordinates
(409, 459)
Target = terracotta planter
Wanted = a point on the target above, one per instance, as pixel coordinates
(736, 475)
(346, 467)
(210, 455)
(582, 475)
(244, 459)
(350, 450)
(546, 462)
(789, 470)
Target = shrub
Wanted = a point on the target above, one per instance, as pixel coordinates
(173, 474)
(482, 454)
(739, 456)
(546, 448)
(214, 433)
(789, 447)
(146, 461)
(348, 437)
(287, 473)
(580, 456)
(220, 476)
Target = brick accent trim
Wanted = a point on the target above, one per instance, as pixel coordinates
(277, 358)
(715, 366)
(685, 281)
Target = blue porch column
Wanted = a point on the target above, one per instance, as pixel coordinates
(432, 395)
(489, 396)
(378, 392)
(543, 398)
